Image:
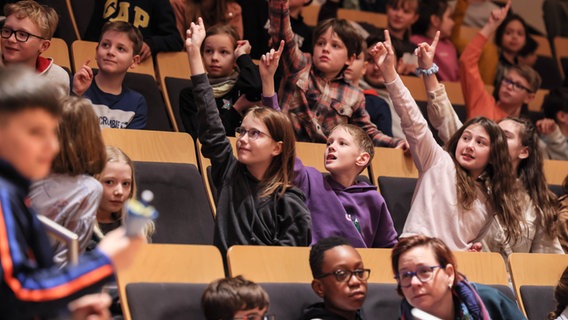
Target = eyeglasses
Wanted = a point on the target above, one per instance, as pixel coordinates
(256, 316)
(252, 133)
(345, 275)
(424, 274)
(21, 36)
(517, 86)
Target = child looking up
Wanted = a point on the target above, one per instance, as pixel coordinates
(314, 93)
(27, 33)
(234, 298)
(221, 50)
(117, 106)
(70, 195)
(32, 286)
(459, 190)
(537, 202)
(257, 203)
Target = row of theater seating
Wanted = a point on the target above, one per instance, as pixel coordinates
(162, 83)
(169, 279)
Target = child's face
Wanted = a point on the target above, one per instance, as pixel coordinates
(357, 69)
(401, 17)
(514, 37)
(512, 131)
(343, 154)
(27, 52)
(256, 153)
(516, 92)
(250, 314)
(373, 75)
(219, 55)
(29, 142)
(347, 296)
(115, 53)
(330, 54)
(446, 24)
(116, 179)
(473, 149)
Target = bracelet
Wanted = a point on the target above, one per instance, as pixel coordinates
(429, 71)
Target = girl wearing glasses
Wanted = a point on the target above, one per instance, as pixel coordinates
(514, 91)
(257, 203)
(428, 279)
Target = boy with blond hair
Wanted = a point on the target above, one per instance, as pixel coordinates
(26, 34)
(116, 105)
(314, 93)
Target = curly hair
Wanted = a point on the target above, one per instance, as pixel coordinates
(560, 295)
(497, 182)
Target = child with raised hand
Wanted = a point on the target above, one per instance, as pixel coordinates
(339, 204)
(32, 286)
(222, 51)
(516, 88)
(537, 203)
(257, 202)
(70, 195)
(117, 51)
(314, 93)
(461, 188)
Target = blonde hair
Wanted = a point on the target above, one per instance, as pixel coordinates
(44, 17)
(115, 154)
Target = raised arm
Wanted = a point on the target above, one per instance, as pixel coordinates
(440, 111)
(248, 82)
(423, 147)
(212, 136)
(479, 102)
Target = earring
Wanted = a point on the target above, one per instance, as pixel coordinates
(450, 285)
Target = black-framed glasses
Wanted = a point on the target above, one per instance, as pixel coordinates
(517, 86)
(252, 133)
(423, 273)
(344, 275)
(21, 36)
(256, 316)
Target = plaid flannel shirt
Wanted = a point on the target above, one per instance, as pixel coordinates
(314, 105)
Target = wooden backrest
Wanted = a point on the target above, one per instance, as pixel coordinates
(454, 92)
(543, 48)
(392, 163)
(482, 267)
(468, 33)
(536, 103)
(270, 264)
(535, 269)
(416, 86)
(374, 18)
(170, 263)
(310, 14)
(555, 171)
(561, 48)
(59, 52)
(82, 50)
(171, 64)
(379, 261)
(152, 146)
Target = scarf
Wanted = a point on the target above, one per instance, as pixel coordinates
(468, 303)
(222, 86)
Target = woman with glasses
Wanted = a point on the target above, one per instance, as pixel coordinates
(257, 203)
(428, 279)
(516, 88)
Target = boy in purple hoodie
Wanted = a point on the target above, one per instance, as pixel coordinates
(340, 205)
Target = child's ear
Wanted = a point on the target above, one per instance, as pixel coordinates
(435, 21)
(562, 116)
(44, 45)
(529, 98)
(351, 59)
(277, 149)
(135, 61)
(525, 152)
(363, 159)
(317, 287)
(365, 66)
